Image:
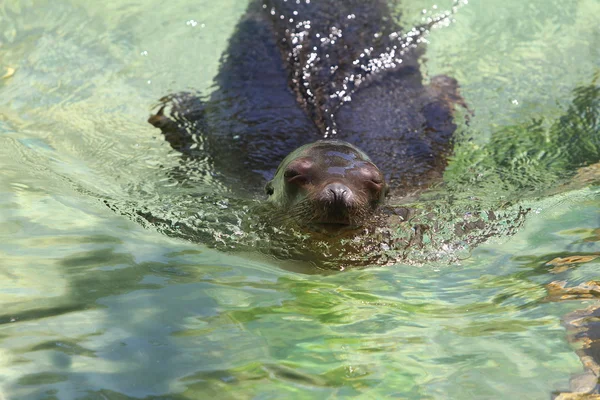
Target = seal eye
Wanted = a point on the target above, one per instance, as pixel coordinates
(290, 173)
(295, 177)
(299, 172)
(372, 177)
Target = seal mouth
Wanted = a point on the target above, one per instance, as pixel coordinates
(337, 219)
(333, 226)
(332, 230)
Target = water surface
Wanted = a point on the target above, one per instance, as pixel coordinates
(95, 305)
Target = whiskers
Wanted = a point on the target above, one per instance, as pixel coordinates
(309, 212)
(301, 211)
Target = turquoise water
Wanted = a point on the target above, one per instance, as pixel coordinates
(96, 306)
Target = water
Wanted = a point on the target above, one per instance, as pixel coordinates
(95, 305)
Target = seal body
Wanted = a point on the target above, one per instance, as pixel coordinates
(296, 72)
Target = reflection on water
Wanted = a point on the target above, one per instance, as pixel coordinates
(96, 306)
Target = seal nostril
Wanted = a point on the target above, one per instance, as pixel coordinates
(337, 192)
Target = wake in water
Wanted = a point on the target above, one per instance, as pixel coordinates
(246, 127)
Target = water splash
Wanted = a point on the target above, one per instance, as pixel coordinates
(345, 51)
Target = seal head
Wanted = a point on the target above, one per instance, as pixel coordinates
(327, 185)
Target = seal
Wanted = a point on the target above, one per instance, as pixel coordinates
(328, 185)
(318, 85)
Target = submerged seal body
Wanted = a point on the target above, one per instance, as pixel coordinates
(319, 85)
(296, 72)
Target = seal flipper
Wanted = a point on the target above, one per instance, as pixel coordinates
(184, 123)
(439, 113)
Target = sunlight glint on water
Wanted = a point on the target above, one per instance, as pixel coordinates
(94, 305)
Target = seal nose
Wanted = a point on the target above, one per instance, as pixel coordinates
(337, 193)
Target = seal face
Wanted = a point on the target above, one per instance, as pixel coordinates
(327, 185)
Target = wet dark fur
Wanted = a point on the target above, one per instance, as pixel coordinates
(269, 99)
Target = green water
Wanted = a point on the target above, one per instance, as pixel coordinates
(95, 306)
